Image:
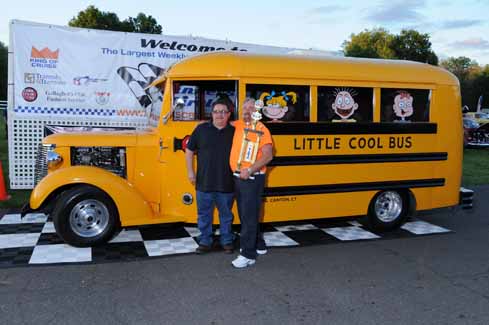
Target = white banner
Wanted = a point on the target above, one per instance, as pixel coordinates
(74, 72)
(74, 77)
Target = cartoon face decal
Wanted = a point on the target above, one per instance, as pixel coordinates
(403, 105)
(276, 104)
(344, 105)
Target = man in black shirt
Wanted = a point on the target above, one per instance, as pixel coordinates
(212, 142)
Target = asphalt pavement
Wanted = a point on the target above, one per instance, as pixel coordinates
(433, 279)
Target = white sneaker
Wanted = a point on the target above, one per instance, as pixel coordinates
(241, 262)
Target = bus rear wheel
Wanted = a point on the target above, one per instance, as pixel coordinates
(388, 210)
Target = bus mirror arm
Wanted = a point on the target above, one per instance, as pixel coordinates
(178, 104)
(162, 146)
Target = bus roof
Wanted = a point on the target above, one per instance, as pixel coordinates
(238, 64)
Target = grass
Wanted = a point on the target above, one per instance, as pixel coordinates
(475, 170)
(476, 167)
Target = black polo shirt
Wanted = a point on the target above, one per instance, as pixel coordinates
(213, 147)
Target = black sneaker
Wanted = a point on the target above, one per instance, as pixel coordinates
(202, 249)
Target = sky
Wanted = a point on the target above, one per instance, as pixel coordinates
(456, 28)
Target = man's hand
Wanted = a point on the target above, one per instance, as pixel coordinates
(244, 173)
(189, 156)
(191, 177)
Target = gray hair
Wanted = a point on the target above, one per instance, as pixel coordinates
(249, 99)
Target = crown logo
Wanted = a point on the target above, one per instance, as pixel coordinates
(45, 53)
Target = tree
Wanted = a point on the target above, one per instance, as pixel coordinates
(143, 24)
(412, 45)
(480, 86)
(379, 43)
(96, 19)
(3, 71)
(92, 17)
(474, 80)
(369, 44)
(462, 67)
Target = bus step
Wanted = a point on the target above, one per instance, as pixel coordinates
(466, 198)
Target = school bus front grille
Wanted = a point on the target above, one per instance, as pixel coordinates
(41, 164)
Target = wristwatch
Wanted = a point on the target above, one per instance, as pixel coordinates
(249, 170)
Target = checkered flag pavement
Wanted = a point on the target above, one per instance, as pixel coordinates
(32, 240)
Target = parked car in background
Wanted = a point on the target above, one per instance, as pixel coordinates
(470, 125)
(475, 135)
(479, 117)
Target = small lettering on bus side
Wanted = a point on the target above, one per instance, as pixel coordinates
(335, 143)
(280, 199)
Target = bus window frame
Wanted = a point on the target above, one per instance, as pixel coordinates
(172, 97)
(431, 98)
(346, 84)
(283, 82)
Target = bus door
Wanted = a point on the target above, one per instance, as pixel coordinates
(192, 104)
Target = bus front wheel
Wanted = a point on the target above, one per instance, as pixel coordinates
(388, 210)
(85, 216)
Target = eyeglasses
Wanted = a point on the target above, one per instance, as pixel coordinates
(220, 112)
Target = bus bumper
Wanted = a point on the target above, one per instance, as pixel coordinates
(466, 198)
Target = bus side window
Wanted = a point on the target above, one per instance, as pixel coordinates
(199, 95)
(405, 105)
(282, 103)
(345, 104)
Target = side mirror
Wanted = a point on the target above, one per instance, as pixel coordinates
(179, 104)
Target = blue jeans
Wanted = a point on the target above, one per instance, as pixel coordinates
(205, 208)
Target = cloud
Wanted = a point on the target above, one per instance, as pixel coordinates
(471, 43)
(422, 27)
(461, 23)
(397, 11)
(323, 14)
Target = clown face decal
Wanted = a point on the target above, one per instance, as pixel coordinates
(276, 104)
(344, 105)
(403, 105)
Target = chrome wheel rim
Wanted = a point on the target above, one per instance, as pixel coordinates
(89, 218)
(388, 206)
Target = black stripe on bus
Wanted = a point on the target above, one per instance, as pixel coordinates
(352, 187)
(303, 128)
(357, 159)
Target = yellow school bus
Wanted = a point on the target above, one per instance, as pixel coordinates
(378, 139)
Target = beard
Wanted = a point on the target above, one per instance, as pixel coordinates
(247, 116)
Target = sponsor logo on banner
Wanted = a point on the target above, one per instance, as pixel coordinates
(44, 58)
(29, 94)
(43, 79)
(102, 97)
(65, 96)
(30, 78)
(86, 80)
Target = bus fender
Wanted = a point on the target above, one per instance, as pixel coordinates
(129, 202)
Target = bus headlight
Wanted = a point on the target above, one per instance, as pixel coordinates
(53, 159)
